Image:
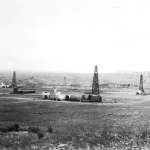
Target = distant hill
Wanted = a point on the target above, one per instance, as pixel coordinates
(39, 79)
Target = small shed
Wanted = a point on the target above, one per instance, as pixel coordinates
(46, 95)
(52, 94)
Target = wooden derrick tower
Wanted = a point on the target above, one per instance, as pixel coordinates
(14, 83)
(141, 89)
(95, 96)
(15, 87)
(141, 83)
(95, 84)
(65, 81)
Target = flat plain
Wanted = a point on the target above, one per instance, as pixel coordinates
(120, 122)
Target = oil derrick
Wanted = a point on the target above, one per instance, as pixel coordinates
(141, 83)
(65, 81)
(141, 89)
(14, 83)
(95, 96)
(95, 84)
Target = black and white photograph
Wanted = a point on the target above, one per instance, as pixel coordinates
(74, 75)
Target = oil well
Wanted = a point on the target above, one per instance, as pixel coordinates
(14, 83)
(95, 94)
(141, 88)
(17, 89)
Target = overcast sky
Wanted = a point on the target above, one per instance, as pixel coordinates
(75, 35)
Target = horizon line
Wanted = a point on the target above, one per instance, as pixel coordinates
(69, 72)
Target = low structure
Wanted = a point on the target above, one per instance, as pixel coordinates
(73, 98)
(3, 85)
(91, 98)
(45, 95)
(52, 94)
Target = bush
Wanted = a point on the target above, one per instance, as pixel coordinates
(34, 129)
(40, 135)
(3, 129)
(50, 129)
(14, 127)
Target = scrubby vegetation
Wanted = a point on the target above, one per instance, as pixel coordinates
(50, 129)
(34, 129)
(107, 138)
(10, 128)
(48, 124)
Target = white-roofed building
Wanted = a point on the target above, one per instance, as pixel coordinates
(52, 94)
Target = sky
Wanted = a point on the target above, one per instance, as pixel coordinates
(75, 35)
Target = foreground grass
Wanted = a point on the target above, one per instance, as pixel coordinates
(112, 138)
(74, 124)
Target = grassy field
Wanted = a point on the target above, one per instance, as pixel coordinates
(122, 124)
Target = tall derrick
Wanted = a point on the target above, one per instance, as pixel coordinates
(65, 80)
(141, 89)
(95, 96)
(141, 83)
(14, 83)
(95, 84)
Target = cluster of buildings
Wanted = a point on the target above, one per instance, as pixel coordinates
(94, 96)
(53, 95)
(4, 85)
